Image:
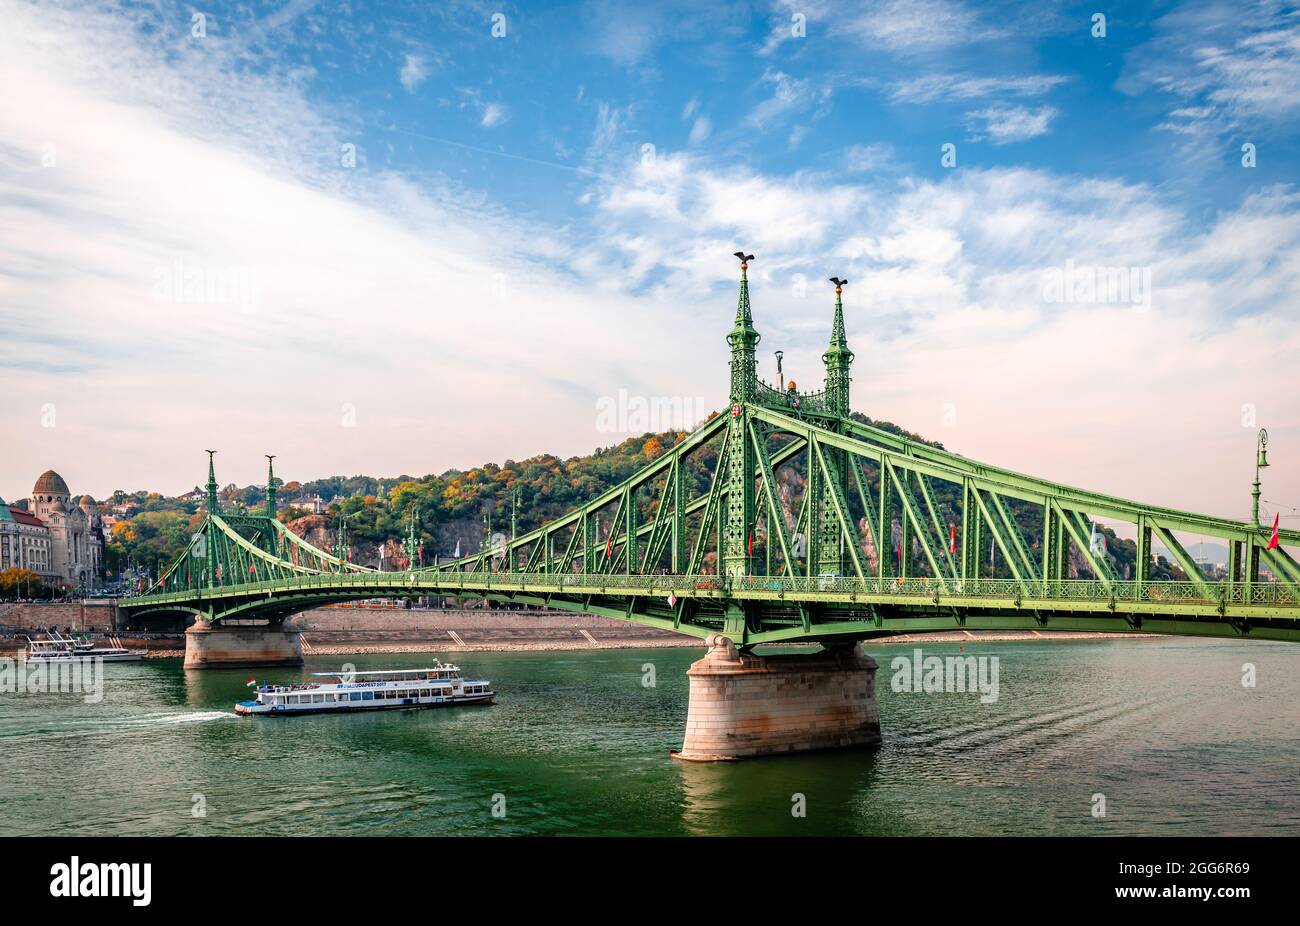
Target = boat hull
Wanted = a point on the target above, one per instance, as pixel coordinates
(254, 709)
(89, 657)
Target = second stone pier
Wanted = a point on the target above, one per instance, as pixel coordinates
(230, 646)
(744, 705)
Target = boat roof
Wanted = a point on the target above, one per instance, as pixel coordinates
(443, 668)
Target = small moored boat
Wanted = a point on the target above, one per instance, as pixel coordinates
(57, 649)
(442, 685)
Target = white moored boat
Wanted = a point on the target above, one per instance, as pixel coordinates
(58, 649)
(439, 686)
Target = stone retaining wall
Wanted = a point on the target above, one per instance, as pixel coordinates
(466, 622)
(93, 614)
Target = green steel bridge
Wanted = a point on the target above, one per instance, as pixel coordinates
(783, 519)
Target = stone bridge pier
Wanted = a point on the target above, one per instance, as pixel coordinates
(742, 705)
(232, 646)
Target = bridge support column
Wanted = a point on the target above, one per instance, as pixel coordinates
(744, 705)
(209, 646)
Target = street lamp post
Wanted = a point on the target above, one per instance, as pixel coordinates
(1261, 462)
(1252, 545)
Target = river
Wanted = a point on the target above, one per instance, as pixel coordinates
(578, 743)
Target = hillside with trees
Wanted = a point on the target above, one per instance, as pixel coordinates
(454, 510)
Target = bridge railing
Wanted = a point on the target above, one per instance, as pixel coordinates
(387, 584)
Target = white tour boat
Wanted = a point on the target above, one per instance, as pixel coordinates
(57, 649)
(439, 686)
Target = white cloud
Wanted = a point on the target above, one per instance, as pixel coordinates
(493, 114)
(367, 282)
(1005, 124)
(947, 305)
(790, 96)
(415, 71)
(700, 129)
(370, 281)
(908, 24)
(622, 31)
(1225, 66)
(931, 88)
(869, 158)
(899, 26)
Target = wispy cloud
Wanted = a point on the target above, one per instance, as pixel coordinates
(1003, 125)
(932, 88)
(415, 71)
(1224, 66)
(790, 96)
(898, 26)
(226, 154)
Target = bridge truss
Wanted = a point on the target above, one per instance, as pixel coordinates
(784, 518)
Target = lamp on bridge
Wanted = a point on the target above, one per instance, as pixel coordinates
(1261, 462)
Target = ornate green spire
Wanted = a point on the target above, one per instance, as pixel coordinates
(213, 506)
(411, 545)
(738, 523)
(743, 340)
(270, 486)
(341, 543)
(514, 512)
(838, 357)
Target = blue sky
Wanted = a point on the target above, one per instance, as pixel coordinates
(537, 220)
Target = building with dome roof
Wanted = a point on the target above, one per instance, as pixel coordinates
(59, 539)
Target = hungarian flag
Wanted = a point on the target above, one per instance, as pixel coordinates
(251, 683)
(609, 544)
(1272, 541)
(751, 543)
(251, 570)
(952, 537)
(672, 600)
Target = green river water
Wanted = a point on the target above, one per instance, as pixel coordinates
(578, 744)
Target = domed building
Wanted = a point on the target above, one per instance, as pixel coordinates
(59, 539)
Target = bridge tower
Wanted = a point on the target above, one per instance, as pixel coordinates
(220, 646)
(270, 486)
(829, 553)
(738, 523)
(742, 704)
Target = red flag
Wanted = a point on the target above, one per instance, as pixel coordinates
(900, 553)
(1272, 541)
(609, 544)
(952, 537)
(218, 571)
(251, 570)
(751, 543)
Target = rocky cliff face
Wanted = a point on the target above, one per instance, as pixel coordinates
(316, 530)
